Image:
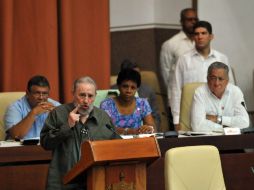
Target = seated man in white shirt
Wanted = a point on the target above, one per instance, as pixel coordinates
(218, 103)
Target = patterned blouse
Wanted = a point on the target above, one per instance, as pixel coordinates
(133, 120)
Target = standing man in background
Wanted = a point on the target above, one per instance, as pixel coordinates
(176, 46)
(25, 117)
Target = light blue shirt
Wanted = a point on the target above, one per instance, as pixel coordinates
(18, 110)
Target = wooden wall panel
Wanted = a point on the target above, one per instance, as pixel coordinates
(143, 46)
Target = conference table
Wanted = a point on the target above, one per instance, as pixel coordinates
(25, 167)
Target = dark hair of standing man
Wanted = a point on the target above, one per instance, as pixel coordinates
(183, 13)
(203, 24)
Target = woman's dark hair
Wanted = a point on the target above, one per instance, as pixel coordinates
(129, 74)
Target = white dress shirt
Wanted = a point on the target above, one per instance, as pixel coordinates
(171, 50)
(192, 67)
(231, 107)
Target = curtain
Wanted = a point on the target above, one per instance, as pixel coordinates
(60, 39)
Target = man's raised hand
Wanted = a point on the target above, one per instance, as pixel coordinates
(73, 116)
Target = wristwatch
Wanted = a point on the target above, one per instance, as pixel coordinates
(219, 119)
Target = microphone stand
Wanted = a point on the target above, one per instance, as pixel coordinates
(116, 135)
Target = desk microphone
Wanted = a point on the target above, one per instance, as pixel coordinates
(116, 135)
(243, 104)
(170, 134)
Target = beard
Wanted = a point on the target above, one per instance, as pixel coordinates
(85, 112)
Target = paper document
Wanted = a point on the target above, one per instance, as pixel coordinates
(9, 143)
(196, 133)
(140, 135)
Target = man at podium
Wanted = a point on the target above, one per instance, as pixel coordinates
(68, 126)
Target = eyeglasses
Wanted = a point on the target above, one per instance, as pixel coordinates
(214, 78)
(84, 95)
(39, 94)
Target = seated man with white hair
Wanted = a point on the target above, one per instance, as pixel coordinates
(218, 103)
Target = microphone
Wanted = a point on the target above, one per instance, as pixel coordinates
(243, 104)
(115, 134)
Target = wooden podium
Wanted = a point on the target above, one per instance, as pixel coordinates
(115, 164)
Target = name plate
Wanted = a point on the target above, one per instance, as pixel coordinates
(232, 131)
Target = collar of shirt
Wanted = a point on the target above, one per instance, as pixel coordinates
(211, 54)
(94, 116)
(183, 36)
(25, 99)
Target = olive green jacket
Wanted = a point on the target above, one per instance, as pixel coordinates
(65, 142)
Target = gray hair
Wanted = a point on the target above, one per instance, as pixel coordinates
(86, 80)
(218, 65)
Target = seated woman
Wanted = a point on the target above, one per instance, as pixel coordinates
(127, 111)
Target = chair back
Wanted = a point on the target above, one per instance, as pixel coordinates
(234, 75)
(193, 167)
(6, 98)
(150, 78)
(113, 79)
(185, 107)
(103, 94)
